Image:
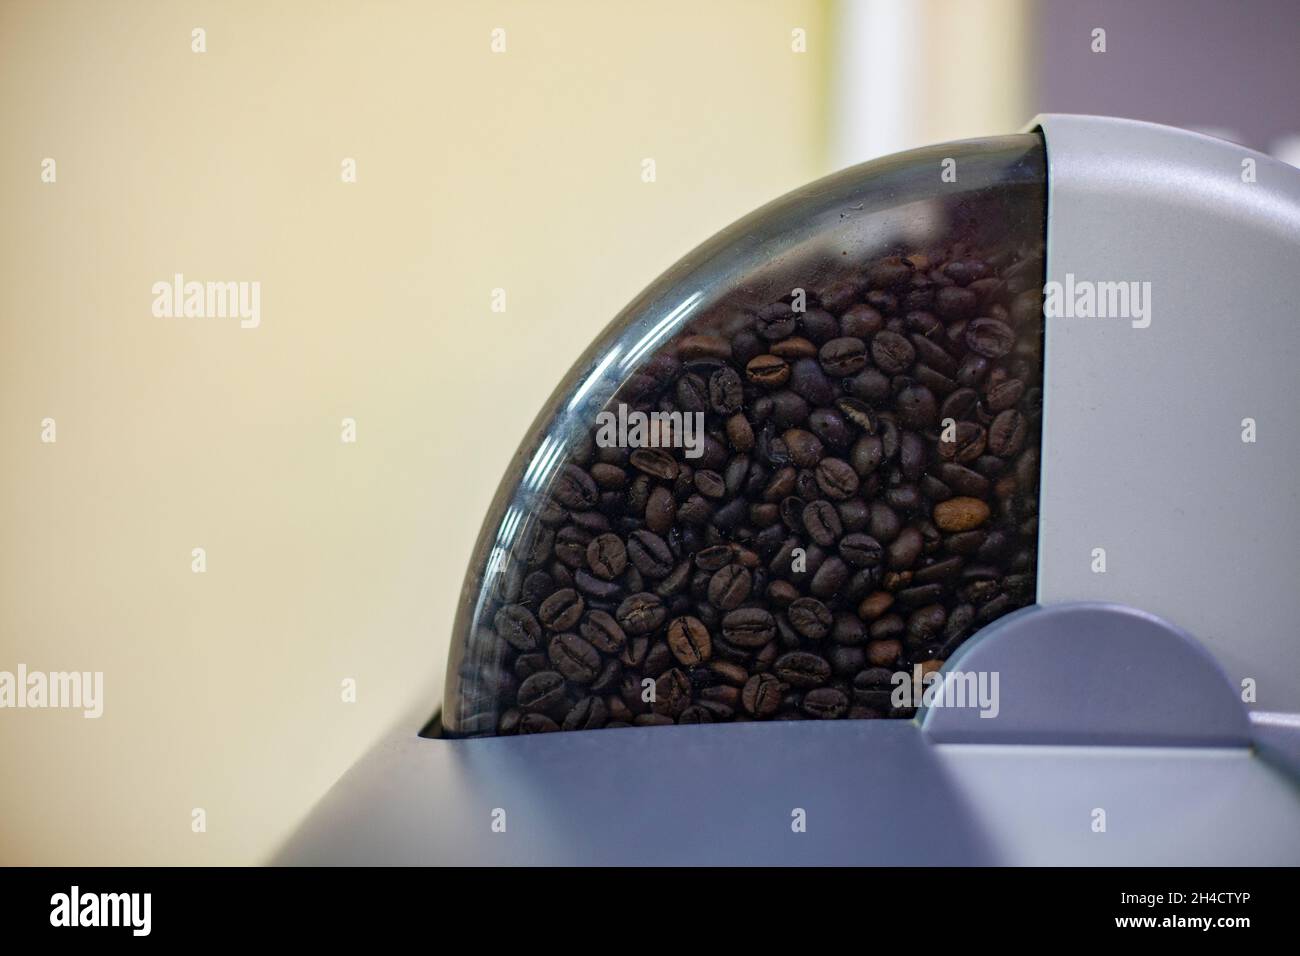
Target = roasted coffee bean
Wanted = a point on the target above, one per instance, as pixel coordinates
(660, 510)
(805, 448)
(714, 557)
(729, 587)
(884, 523)
(590, 713)
(933, 355)
(866, 455)
(891, 273)
(873, 687)
(904, 551)
(925, 623)
(971, 370)
(526, 665)
(672, 693)
(509, 722)
(634, 651)
(537, 724)
(776, 321)
(608, 477)
(574, 488)
(655, 462)
(573, 657)
(883, 653)
(537, 586)
(961, 405)
(990, 338)
(594, 588)
(788, 409)
(822, 522)
(837, 479)
(704, 347)
(770, 371)
(857, 412)
(535, 544)
(848, 629)
(963, 480)
(911, 456)
(917, 407)
(966, 271)
(966, 444)
(802, 669)
(861, 321)
(936, 382)
(710, 484)
(729, 672)
(846, 661)
(641, 613)
(953, 303)
(603, 632)
(726, 392)
(695, 714)
(748, 627)
(844, 356)
(762, 695)
(650, 554)
(965, 542)
(516, 625)
(937, 571)
(874, 605)
(689, 641)
(819, 325)
(541, 692)
(561, 610)
(658, 659)
(892, 353)
(960, 514)
(1007, 433)
(889, 626)
(825, 703)
(692, 393)
(1004, 395)
(829, 578)
(861, 550)
(862, 500)
(810, 618)
(831, 427)
(607, 556)
(809, 382)
(653, 720)
(794, 347)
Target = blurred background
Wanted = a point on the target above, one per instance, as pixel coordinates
(499, 152)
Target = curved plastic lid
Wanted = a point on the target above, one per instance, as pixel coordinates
(804, 459)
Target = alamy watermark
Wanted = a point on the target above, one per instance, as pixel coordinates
(208, 300)
(75, 908)
(974, 689)
(59, 690)
(629, 428)
(1085, 299)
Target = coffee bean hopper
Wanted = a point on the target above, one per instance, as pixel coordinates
(940, 512)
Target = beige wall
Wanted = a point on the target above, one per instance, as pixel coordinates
(325, 560)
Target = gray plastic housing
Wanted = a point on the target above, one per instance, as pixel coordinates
(1161, 759)
(1143, 451)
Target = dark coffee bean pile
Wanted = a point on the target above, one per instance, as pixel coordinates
(865, 501)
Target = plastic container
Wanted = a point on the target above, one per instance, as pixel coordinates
(845, 388)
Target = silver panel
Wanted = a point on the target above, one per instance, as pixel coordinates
(1142, 447)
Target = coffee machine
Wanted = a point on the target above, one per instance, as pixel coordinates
(1142, 706)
